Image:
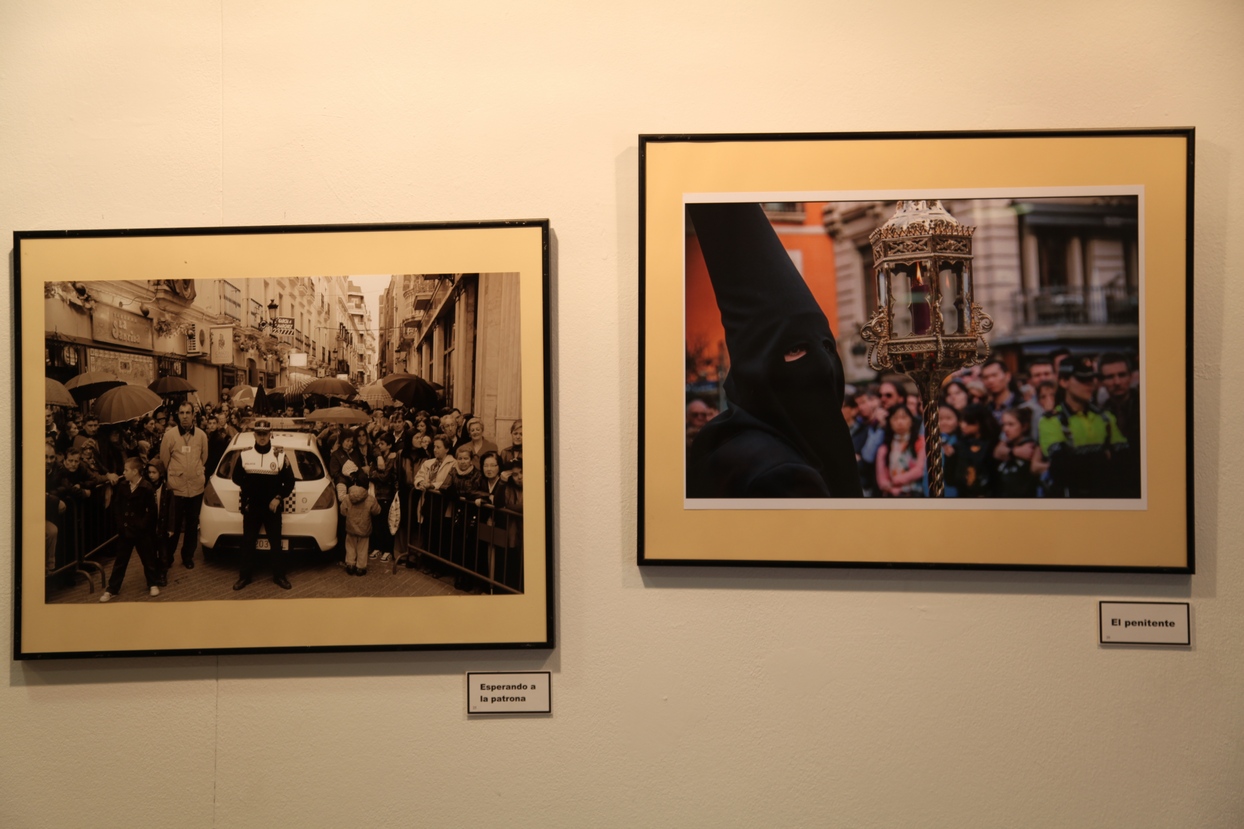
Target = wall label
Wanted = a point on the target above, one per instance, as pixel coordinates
(524, 692)
(1144, 623)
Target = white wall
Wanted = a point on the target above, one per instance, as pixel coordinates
(681, 697)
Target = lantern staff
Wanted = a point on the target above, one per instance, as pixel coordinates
(927, 324)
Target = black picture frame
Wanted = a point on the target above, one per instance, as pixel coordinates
(676, 527)
(479, 284)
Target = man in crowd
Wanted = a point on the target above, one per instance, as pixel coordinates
(1123, 401)
(217, 442)
(997, 379)
(698, 413)
(265, 479)
(184, 454)
(90, 431)
(55, 507)
(1084, 445)
(891, 394)
(1040, 370)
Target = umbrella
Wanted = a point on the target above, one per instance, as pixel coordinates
(339, 414)
(375, 396)
(242, 395)
(297, 382)
(171, 385)
(411, 390)
(91, 384)
(261, 401)
(55, 394)
(330, 387)
(125, 403)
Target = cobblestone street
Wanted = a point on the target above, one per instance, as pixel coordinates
(213, 581)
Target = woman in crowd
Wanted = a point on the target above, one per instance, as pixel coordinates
(432, 477)
(344, 462)
(364, 446)
(490, 498)
(64, 438)
(956, 395)
(477, 443)
(900, 460)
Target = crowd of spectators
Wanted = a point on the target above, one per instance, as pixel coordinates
(1065, 426)
(397, 456)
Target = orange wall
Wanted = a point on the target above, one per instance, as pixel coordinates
(703, 318)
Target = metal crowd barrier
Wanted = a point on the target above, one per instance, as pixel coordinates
(484, 543)
(85, 530)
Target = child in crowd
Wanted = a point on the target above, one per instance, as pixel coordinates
(133, 504)
(974, 471)
(1014, 453)
(358, 507)
(948, 425)
(900, 460)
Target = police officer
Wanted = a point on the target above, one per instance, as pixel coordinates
(265, 478)
(1084, 444)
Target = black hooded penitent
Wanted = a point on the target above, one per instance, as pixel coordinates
(783, 434)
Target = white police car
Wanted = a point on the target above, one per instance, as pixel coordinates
(309, 522)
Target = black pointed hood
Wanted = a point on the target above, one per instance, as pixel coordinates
(784, 366)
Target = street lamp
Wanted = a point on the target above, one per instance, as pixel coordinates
(271, 320)
(927, 324)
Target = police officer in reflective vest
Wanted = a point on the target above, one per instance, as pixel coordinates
(1086, 448)
(265, 478)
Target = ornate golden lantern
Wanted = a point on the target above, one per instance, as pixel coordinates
(927, 324)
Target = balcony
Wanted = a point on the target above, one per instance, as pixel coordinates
(1063, 305)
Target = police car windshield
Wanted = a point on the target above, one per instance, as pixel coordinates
(306, 465)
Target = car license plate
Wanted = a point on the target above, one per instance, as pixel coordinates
(262, 544)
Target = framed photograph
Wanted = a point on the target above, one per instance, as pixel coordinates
(283, 439)
(962, 350)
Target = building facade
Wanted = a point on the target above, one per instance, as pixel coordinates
(277, 332)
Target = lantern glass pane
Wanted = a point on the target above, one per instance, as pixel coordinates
(948, 300)
(901, 308)
(921, 309)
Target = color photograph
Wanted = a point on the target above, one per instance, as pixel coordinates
(956, 336)
(1041, 400)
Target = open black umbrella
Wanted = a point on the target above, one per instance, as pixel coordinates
(339, 414)
(262, 404)
(330, 387)
(171, 385)
(55, 394)
(411, 390)
(91, 384)
(125, 403)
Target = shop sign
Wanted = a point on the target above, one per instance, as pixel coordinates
(113, 325)
(222, 344)
(139, 369)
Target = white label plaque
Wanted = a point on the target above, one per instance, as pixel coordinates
(525, 692)
(1144, 623)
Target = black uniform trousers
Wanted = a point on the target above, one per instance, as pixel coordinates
(270, 522)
